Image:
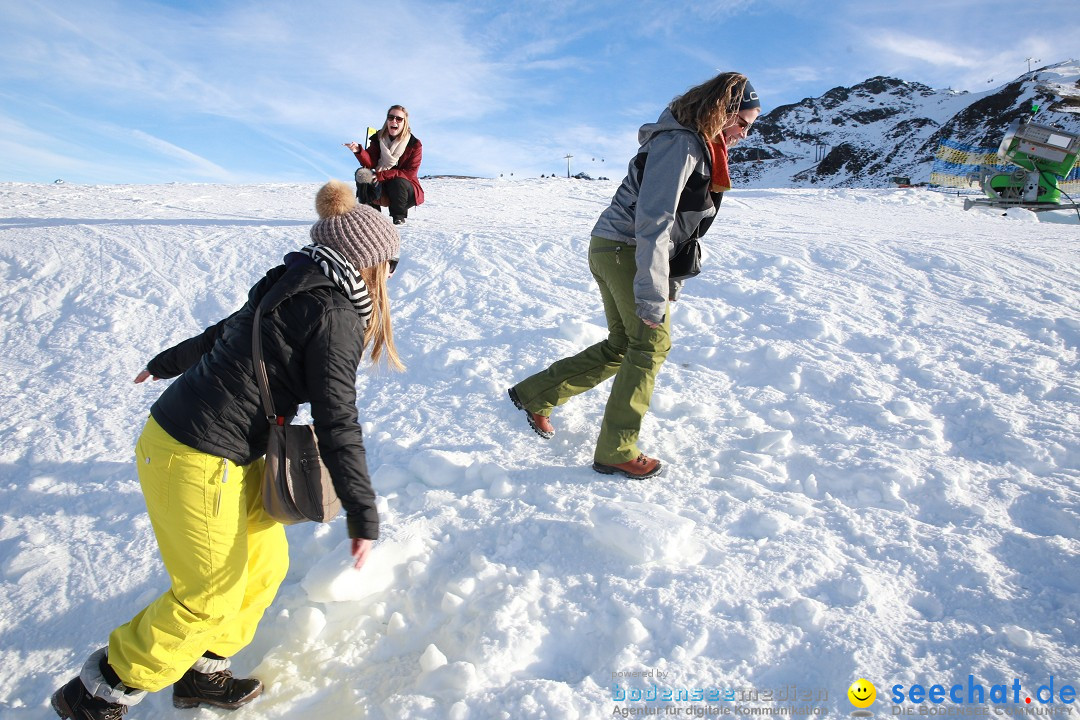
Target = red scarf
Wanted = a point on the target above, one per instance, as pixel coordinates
(721, 181)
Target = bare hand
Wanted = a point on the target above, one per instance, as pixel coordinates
(361, 548)
(355, 147)
(650, 323)
(143, 376)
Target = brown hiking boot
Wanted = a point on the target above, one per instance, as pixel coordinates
(219, 688)
(541, 424)
(642, 467)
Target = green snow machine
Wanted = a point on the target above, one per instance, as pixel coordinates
(1043, 155)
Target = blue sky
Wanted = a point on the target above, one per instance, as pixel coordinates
(137, 91)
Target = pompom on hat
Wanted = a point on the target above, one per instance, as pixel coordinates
(360, 233)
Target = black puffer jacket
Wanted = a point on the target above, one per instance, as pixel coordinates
(312, 347)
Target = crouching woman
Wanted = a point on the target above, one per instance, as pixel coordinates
(200, 463)
(390, 166)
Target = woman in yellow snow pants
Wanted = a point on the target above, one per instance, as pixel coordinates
(200, 462)
(224, 555)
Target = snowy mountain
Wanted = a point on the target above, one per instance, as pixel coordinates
(863, 135)
(869, 416)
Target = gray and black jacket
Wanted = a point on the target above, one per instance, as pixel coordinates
(312, 344)
(663, 201)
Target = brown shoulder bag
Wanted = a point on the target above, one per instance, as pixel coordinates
(296, 486)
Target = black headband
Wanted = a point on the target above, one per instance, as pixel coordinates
(750, 98)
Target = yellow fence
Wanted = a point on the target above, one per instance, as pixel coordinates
(958, 166)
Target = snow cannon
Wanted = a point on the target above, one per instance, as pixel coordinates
(1042, 154)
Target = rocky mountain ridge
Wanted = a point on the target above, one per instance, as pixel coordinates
(884, 127)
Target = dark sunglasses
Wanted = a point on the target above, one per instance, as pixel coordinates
(398, 118)
(393, 265)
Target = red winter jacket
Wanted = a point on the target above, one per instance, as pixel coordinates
(407, 167)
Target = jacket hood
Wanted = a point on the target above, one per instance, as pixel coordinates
(664, 123)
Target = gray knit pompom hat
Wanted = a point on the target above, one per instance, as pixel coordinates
(359, 232)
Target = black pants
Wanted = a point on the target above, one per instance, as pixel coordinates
(401, 194)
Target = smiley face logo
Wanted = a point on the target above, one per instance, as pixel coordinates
(862, 693)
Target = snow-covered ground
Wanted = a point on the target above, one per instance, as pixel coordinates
(870, 417)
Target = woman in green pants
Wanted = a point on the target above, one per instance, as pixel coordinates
(668, 199)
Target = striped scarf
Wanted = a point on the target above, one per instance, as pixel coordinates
(345, 276)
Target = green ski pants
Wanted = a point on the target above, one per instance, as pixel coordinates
(633, 352)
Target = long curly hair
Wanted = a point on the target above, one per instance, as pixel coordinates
(710, 106)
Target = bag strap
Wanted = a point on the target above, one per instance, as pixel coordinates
(260, 368)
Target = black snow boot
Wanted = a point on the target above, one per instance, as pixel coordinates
(218, 688)
(74, 702)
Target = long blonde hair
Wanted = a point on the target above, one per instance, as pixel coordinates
(710, 106)
(406, 131)
(379, 333)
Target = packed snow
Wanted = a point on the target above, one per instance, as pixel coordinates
(870, 421)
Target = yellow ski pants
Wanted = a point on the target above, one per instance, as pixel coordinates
(225, 557)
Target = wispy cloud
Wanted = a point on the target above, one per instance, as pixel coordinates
(24, 150)
(80, 159)
(960, 44)
(923, 49)
(270, 89)
(195, 163)
(674, 17)
(275, 68)
(272, 63)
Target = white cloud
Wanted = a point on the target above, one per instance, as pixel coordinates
(31, 153)
(194, 163)
(44, 156)
(274, 87)
(271, 63)
(923, 49)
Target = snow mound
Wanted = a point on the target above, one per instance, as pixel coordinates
(334, 579)
(646, 533)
